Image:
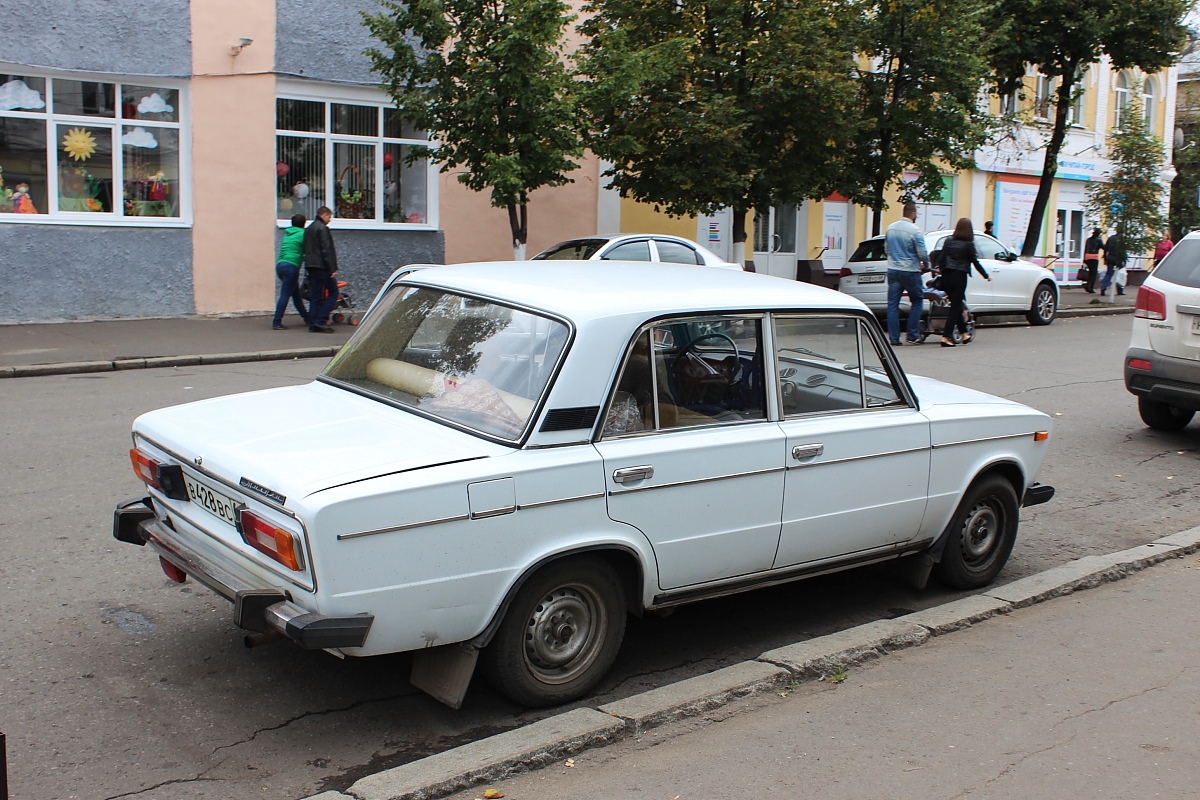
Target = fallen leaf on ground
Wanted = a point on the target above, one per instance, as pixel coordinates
(570, 762)
(492, 794)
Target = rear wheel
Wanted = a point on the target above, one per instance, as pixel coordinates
(1163, 417)
(1044, 308)
(981, 535)
(560, 635)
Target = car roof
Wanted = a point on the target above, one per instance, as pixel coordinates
(578, 291)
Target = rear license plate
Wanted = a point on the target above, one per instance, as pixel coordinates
(871, 278)
(212, 501)
(1195, 324)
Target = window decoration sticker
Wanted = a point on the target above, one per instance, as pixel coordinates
(140, 137)
(154, 104)
(79, 144)
(16, 94)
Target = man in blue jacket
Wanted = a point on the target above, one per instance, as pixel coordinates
(907, 258)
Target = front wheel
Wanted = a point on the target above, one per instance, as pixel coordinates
(981, 535)
(1163, 417)
(560, 635)
(1044, 308)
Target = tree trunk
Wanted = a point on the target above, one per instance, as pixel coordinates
(1033, 233)
(518, 223)
(739, 239)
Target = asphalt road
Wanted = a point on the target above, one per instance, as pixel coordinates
(115, 682)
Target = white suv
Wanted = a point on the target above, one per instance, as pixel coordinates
(1162, 366)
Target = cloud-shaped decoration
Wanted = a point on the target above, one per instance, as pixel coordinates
(139, 137)
(15, 94)
(154, 104)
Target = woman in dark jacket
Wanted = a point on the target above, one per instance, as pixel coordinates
(958, 256)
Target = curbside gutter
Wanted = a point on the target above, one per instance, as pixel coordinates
(79, 367)
(549, 740)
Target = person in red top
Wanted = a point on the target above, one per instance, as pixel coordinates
(1163, 248)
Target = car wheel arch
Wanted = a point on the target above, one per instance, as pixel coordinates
(625, 560)
(1009, 470)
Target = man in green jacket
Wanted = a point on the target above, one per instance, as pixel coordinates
(291, 257)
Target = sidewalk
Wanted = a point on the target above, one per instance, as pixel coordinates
(58, 348)
(999, 695)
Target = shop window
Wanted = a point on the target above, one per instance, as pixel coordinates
(365, 164)
(113, 149)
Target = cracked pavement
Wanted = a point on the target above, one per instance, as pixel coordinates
(171, 706)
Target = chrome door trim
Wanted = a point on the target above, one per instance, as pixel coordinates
(695, 481)
(848, 459)
(982, 439)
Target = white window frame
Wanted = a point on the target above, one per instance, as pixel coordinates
(1123, 95)
(329, 95)
(1149, 101)
(115, 218)
(1043, 98)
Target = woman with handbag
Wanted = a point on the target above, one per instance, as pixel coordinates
(958, 256)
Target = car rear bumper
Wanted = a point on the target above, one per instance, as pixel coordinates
(1174, 381)
(261, 609)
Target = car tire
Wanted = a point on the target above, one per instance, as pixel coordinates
(560, 635)
(981, 535)
(1044, 307)
(1163, 416)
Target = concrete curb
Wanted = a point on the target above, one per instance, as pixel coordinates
(78, 367)
(548, 740)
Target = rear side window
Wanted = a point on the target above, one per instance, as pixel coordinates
(676, 253)
(574, 250)
(630, 251)
(1182, 264)
(870, 250)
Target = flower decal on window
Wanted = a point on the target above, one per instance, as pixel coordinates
(79, 144)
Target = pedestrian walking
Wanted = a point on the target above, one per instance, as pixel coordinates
(1114, 260)
(1091, 261)
(1162, 249)
(958, 255)
(907, 258)
(287, 269)
(320, 259)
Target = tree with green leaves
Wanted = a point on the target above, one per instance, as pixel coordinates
(1185, 206)
(707, 104)
(487, 80)
(1062, 38)
(919, 81)
(1131, 202)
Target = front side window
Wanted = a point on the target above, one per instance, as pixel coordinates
(89, 150)
(359, 159)
(690, 372)
(473, 363)
(829, 364)
(629, 251)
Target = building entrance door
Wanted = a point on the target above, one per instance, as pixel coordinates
(1068, 243)
(775, 241)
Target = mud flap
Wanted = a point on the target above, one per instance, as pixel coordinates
(444, 673)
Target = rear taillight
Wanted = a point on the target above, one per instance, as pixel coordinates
(264, 537)
(1151, 304)
(1140, 363)
(145, 467)
(844, 272)
(171, 571)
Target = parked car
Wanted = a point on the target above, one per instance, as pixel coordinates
(1162, 365)
(635, 247)
(1017, 286)
(507, 458)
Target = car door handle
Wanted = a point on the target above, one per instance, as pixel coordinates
(628, 474)
(807, 451)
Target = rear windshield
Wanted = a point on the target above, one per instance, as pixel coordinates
(1182, 264)
(574, 250)
(470, 362)
(870, 250)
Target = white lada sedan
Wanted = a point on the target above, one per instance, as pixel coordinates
(507, 459)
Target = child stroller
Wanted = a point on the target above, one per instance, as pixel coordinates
(343, 311)
(938, 307)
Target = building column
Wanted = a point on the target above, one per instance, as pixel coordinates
(233, 155)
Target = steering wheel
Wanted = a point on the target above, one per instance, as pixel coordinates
(692, 368)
